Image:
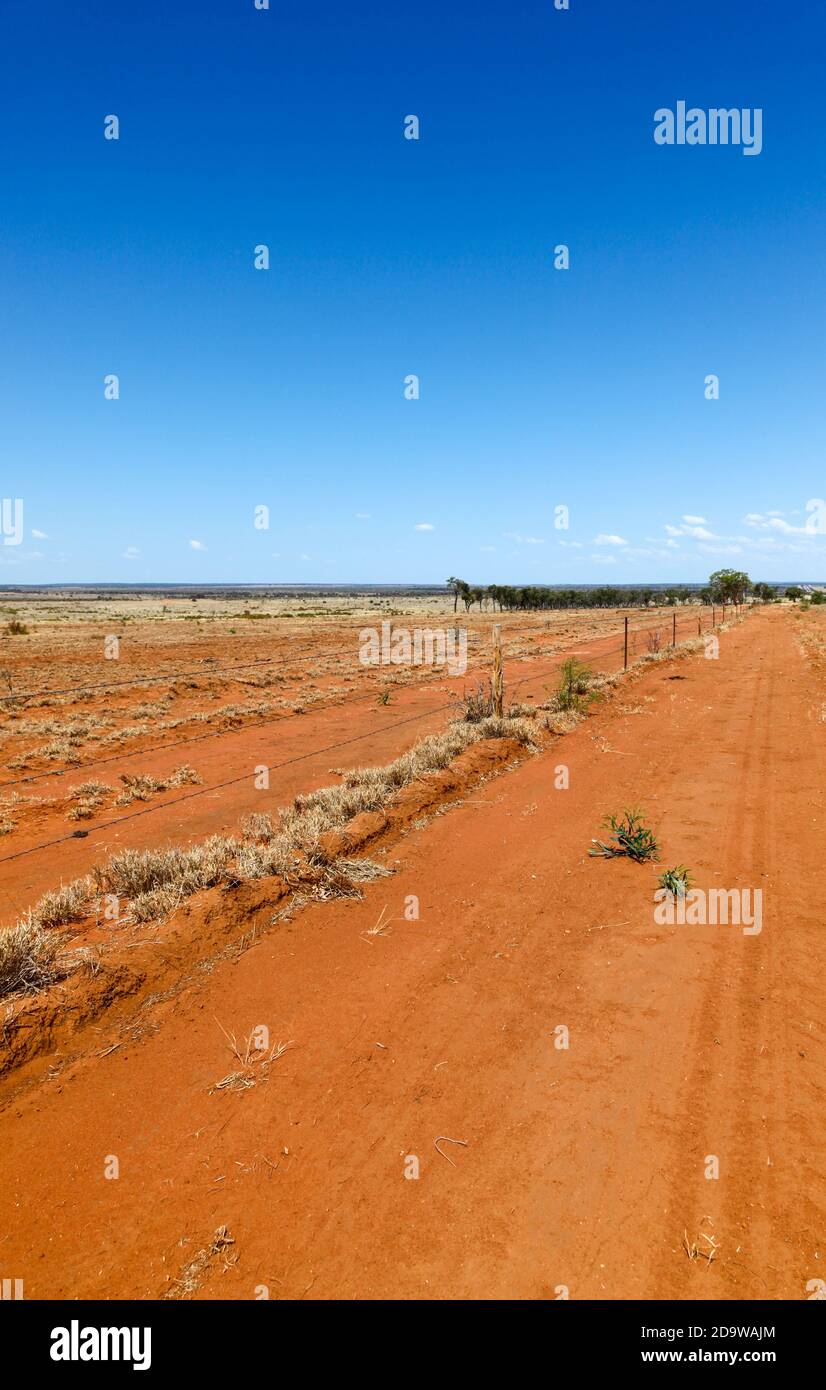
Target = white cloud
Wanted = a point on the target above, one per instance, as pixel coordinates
(131, 552)
(773, 521)
(197, 545)
(572, 545)
(424, 526)
(362, 516)
(602, 539)
(695, 521)
(40, 535)
(693, 526)
(604, 559)
(524, 540)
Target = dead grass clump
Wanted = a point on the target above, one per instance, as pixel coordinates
(73, 730)
(134, 872)
(369, 788)
(343, 878)
(86, 789)
(562, 721)
(28, 958)
(258, 826)
(87, 798)
(253, 1064)
(152, 709)
(478, 703)
(193, 1273)
(68, 903)
(323, 883)
(122, 735)
(58, 750)
(143, 785)
(263, 860)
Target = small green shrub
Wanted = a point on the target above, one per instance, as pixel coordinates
(676, 880)
(575, 680)
(631, 838)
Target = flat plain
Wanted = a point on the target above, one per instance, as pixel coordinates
(411, 1127)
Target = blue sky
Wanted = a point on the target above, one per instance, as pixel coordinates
(390, 257)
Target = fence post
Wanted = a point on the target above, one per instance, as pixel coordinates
(625, 664)
(497, 683)
(674, 629)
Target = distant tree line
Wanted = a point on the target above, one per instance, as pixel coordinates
(724, 586)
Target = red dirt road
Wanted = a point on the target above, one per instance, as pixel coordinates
(579, 1169)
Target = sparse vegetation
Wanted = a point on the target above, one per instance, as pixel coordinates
(257, 826)
(153, 882)
(142, 786)
(478, 703)
(575, 681)
(676, 880)
(68, 903)
(631, 838)
(28, 958)
(87, 798)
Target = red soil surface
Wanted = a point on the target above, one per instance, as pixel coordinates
(581, 1168)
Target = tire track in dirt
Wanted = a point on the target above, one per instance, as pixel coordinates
(736, 1094)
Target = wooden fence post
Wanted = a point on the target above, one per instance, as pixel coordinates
(497, 683)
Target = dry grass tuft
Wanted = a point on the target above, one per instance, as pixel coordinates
(193, 1273)
(157, 880)
(253, 1064)
(144, 785)
(28, 958)
(370, 788)
(68, 903)
(258, 826)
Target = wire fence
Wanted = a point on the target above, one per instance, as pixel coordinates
(632, 635)
(638, 640)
